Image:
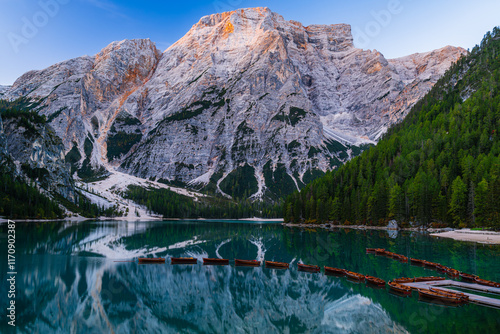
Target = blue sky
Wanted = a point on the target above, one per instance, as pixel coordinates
(35, 34)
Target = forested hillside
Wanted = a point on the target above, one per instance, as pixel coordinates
(440, 165)
(172, 205)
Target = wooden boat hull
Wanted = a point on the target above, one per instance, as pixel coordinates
(468, 277)
(370, 250)
(417, 262)
(308, 268)
(402, 258)
(380, 251)
(404, 290)
(442, 269)
(464, 297)
(428, 279)
(452, 273)
(440, 296)
(375, 281)
(277, 265)
(151, 260)
(430, 264)
(354, 276)
(403, 280)
(247, 263)
(334, 271)
(487, 283)
(183, 260)
(215, 262)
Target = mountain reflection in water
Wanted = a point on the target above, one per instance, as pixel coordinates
(68, 280)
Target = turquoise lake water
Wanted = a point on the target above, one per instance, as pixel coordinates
(68, 281)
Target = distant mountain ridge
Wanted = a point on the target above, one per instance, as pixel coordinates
(246, 104)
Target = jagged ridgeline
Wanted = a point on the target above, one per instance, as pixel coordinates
(440, 165)
(246, 105)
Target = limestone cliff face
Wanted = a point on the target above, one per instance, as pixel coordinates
(244, 94)
(3, 144)
(34, 152)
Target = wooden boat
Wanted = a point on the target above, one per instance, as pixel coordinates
(450, 298)
(370, 250)
(354, 276)
(417, 262)
(468, 277)
(334, 271)
(308, 268)
(246, 263)
(380, 251)
(183, 260)
(219, 262)
(401, 258)
(452, 272)
(375, 280)
(463, 296)
(400, 288)
(428, 278)
(151, 260)
(442, 269)
(277, 265)
(430, 264)
(403, 280)
(486, 282)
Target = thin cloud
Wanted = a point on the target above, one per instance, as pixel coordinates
(107, 6)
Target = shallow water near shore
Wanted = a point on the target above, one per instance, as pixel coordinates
(68, 279)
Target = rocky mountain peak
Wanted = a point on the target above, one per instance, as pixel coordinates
(244, 95)
(249, 25)
(239, 16)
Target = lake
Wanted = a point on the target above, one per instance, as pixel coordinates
(68, 281)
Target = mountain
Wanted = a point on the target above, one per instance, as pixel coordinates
(246, 104)
(440, 165)
(3, 89)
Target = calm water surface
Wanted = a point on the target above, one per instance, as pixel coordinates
(68, 280)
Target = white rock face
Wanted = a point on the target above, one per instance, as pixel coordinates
(3, 89)
(242, 88)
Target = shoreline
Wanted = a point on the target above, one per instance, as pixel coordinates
(356, 227)
(134, 219)
(483, 237)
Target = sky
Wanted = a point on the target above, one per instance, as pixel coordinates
(35, 34)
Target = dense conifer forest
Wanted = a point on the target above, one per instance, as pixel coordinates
(441, 165)
(172, 205)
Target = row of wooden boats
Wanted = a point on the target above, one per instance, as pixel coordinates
(354, 276)
(271, 264)
(213, 261)
(453, 273)
(444, 296)
(383, 252)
